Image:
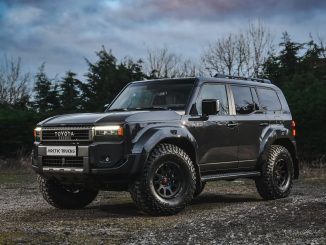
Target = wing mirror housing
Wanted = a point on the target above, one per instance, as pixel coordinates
(210, 107)
(106, 106)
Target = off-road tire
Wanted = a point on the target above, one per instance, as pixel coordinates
(266, 184)
(59, 197)
(144, 193)
(200, 188)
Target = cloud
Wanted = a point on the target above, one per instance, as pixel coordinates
(63, 33)
(212, 10)
(25, 15)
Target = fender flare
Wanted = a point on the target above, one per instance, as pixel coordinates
(153, 136)
(283, 135)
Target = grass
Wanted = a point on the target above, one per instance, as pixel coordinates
(21, 164)
(16, 177)
(16, 170)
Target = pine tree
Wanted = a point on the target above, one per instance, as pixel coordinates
(70, 93)
(313, 59)
(289, 57)
(271, 68)
(106, 78)
(101, 78)
(46, 95)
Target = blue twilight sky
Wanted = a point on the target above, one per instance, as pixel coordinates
(63, 32)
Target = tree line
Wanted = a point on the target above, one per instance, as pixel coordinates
(299, 69)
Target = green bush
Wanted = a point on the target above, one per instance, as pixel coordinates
(16, 131)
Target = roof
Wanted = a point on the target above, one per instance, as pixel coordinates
(219, 78)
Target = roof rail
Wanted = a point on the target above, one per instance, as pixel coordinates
(243, 78)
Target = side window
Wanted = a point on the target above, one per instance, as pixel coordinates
(255, 98)
(243, 100)
(269, 99)
(217, 92)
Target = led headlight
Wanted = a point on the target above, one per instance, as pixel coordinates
(37, 133)
(113, 130)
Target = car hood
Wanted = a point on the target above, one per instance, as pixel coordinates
(110, 117)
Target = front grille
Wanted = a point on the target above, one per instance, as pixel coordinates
(54, 161)
(66, 134)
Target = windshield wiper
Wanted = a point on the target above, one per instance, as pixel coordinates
(150, 108)
(118, 109)
(140, 108)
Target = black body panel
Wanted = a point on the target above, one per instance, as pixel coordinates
(217, 144)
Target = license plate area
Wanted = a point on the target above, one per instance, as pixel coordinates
(70, 151)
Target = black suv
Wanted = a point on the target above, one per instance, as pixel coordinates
(162, 140)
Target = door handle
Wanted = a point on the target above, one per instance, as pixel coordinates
(231, 124)
(264, 124)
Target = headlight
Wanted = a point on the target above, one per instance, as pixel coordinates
(113, 130)
(37, 133)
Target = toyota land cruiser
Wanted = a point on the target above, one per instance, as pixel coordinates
(162, 140)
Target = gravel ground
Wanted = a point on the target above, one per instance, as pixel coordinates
(226, 213)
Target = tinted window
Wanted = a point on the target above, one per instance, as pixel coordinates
(167, 94)
(255, 98)
(269, 100)
(217, 92)
(244, 103)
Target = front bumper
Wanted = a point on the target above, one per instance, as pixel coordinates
(89, 163)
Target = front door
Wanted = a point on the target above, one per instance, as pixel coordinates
(216, 135)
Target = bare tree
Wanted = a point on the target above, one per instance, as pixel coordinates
(187, 69)
(261, 44)
(242, 54)
(220, 56)
(13, 83)
(239, 54)
(161, 63)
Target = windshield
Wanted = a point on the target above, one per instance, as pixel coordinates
(154, 95)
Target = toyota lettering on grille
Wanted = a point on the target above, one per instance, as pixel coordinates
(64, 135)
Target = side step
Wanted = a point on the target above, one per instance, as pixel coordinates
(227, 176)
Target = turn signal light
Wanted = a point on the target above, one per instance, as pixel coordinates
(294, 132)
(37, 133)
(120, 131)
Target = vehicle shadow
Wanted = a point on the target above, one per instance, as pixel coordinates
(211, 198)
(204, 201)
(120, 210)
(125, 208)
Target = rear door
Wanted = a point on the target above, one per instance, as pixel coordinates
(251, 122)
(271, 104)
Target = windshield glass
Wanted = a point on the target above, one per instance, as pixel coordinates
(154, 95)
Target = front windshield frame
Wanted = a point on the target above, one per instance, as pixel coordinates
(190, 81)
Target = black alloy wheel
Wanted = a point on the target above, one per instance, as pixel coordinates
(276, 174)
(281, 174)
(168, 180)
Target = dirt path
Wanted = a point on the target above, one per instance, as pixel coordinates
(227, 212)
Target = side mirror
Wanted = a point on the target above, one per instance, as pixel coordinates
(106, 106)
(210, 107)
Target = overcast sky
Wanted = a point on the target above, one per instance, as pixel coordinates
(63, 33)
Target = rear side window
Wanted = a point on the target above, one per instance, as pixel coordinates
(269, 99)
(255, 98)
(217, 92)
(244, 103)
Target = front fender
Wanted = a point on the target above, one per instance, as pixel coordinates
(145, 142)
